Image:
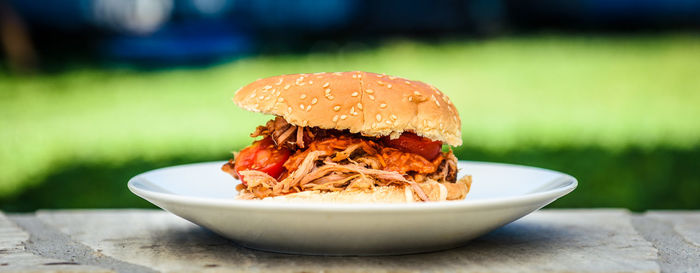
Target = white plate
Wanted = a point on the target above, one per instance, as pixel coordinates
(500, 194)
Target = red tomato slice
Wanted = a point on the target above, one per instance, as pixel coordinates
(262, 156)
(412, 143)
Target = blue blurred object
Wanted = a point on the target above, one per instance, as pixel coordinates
(204, 8)
(184, 42)
(301, 15)
(177, 31)
(130, 16)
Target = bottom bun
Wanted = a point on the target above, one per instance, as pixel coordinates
(385, 194)
(389, 194)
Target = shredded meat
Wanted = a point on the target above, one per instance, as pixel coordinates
(259, 183)
(447, 169)
(229, 168)
(402, 162)
(287, 135)
(418, 190)
(304, 169)
(332, 182)
(340, 147)
(331, 160)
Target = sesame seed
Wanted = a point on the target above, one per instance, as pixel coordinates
(388, 122)
(338, 73)
(311, 82)
(252, 95)
(383, 105)
(335, 118)
(303, 96)
(380, 83)
(379, 117)
(326, 84)
(300, 83)
(287, 86)
(343, 117)
(392, 77)
(380, 75)
(374, 125)
(388, 86)
(279, 82)
(394, 117)
(435, 99)
(308, 107)
(314, 101)
(354, 94)
(359, 106)
(354, 113)
(416, 93)
(328, 91)
(354, 76)
(280, 99)
(371, 97)
(336, 108)
(261, 97)
(369, 91)
(267, 87)
(408, 82)
(352, 109)
(301, 106)
(289, 109)
(410, 98)
(331, 97)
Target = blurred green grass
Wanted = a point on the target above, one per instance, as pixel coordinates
(620, 113)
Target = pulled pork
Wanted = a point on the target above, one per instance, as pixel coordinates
(287, 135)
(331, 160)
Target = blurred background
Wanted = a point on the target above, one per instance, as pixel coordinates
(93, 92)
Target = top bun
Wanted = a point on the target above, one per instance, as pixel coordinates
(361, 102)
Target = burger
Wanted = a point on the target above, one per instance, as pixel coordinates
(349, 137)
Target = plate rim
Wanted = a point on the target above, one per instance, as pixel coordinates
(570, 183)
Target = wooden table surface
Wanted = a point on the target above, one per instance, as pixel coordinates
(584, 240)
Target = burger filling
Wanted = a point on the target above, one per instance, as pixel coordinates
(290, 159)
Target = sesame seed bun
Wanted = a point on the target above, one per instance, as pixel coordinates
(361, 102)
